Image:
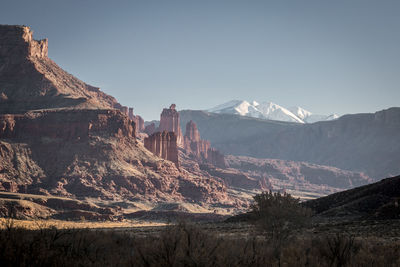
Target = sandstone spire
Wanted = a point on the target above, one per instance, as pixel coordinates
(169, 121)
(163, 144)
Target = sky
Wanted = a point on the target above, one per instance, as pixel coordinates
(339, 56)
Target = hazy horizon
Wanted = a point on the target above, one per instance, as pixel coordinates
(327, 57)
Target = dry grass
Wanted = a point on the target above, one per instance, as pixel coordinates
(46, 224)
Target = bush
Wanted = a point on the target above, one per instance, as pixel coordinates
(277, 215)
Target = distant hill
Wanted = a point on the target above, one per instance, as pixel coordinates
(367, 142)
(377, 200)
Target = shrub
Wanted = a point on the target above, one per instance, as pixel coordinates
(277, 215)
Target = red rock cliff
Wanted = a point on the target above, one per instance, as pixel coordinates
(66, 124)
(169, 121)
(29, 80)
(164, 145)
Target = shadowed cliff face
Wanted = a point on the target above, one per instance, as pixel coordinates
(368, 143)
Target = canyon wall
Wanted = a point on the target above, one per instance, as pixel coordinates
(66, 124)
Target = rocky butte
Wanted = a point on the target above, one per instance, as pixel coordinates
(164, 143)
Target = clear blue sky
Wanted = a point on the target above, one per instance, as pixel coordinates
(326, 56)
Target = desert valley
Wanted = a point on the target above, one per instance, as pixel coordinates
(72, 158)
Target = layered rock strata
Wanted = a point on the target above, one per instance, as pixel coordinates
(66, 124)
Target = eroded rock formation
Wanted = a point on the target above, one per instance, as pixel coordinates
(201, 149)
(169, 121)
(193, 144)
(164, 145)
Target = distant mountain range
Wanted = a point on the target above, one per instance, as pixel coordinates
(270, 111)
(367, 142)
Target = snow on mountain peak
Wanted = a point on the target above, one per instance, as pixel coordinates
(300, 112)
(270, 111)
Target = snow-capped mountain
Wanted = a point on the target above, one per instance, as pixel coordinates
(270, 111)
(309, 117)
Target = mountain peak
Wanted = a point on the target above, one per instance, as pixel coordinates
(270, 111)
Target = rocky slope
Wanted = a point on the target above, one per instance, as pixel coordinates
(367, 143)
